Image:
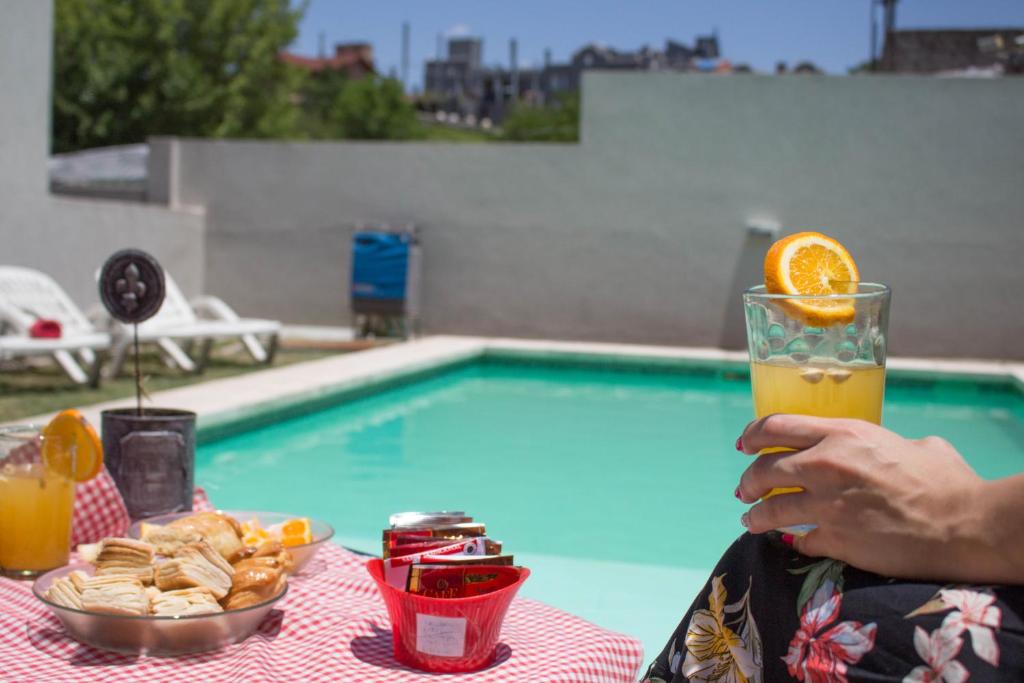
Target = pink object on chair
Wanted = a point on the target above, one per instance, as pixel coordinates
(45, 329)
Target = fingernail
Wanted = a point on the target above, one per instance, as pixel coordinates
(737, 493)
(745, 520)
(739, 443)
(788, 539)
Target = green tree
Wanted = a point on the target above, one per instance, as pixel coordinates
(208, 68)
(373, 108)
(319, 93)
(559, 122)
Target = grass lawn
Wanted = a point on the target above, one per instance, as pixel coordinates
(31, 391)
(440, 133)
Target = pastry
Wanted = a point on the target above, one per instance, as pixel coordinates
(277, 551)
(132, 577)
(126, 551)
(78, 578)
(209, 554)
(196, 565)
(65, 592)
(127, 557)
(143, 574)
(223, 533)
(255, 580)
(88, 552)
(185, 601)
(168, 540)
(115, 595)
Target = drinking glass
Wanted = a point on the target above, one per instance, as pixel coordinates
(818, 355)
(37, 497)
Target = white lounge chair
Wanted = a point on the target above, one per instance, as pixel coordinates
(27, 295)
(204, 320)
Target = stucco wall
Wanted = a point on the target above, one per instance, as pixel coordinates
(68, 238)
(638, 232)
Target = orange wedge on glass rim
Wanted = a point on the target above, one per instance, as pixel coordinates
(811, 264)
(72, 447)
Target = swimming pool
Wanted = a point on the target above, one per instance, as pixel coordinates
(612, 482)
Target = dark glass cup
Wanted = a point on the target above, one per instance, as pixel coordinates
(151, 458)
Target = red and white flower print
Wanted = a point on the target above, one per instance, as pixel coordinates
(823, 657)
(975, 613)
(938, 650)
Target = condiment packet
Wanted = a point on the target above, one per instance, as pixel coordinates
(396, 539)
(396, 569)
(442, 581)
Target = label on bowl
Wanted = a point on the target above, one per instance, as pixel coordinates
(441, 636)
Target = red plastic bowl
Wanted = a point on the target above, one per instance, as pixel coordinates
(445, 635)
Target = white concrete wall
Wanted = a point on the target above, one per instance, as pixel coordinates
(637, 233)
(24, 99)
(68, 238)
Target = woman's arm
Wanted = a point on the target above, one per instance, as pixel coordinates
(886, 504)
(1002, 501)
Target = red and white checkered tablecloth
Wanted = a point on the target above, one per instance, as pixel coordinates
(332, 626)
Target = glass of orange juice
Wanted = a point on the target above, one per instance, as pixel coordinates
(818, 355)
(37, 496)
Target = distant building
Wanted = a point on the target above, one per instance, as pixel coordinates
(459, 83)
(953, 50)
(355, 59)
(560, 78)
(594, 56)
(467, 51)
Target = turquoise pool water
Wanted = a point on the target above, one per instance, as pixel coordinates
(613, 485)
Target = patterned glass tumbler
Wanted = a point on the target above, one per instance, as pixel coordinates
(818, 355)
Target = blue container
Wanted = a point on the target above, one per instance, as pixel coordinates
(386, 267)
(380, 265)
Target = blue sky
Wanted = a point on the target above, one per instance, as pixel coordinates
(831, 33)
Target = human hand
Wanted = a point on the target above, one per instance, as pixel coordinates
(894, 506)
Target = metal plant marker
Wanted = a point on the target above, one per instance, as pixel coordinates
(132, 289)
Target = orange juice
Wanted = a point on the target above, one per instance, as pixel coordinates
(35, 518)
(822, 389)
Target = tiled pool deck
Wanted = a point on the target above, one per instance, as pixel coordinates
(228, 405)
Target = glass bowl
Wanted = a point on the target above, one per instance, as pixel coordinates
(153, 635)
(301, 554)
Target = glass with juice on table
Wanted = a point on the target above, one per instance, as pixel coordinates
(38, 471)
(816, 335)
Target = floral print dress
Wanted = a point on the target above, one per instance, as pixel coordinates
(770, 614)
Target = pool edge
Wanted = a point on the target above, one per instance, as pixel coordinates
(570, 354)
(232, 405)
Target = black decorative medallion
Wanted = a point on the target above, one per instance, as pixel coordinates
(132, 285)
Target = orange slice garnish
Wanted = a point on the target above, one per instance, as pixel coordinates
(296, 532)
(72, 447)
(812, 264)
(253, 534)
